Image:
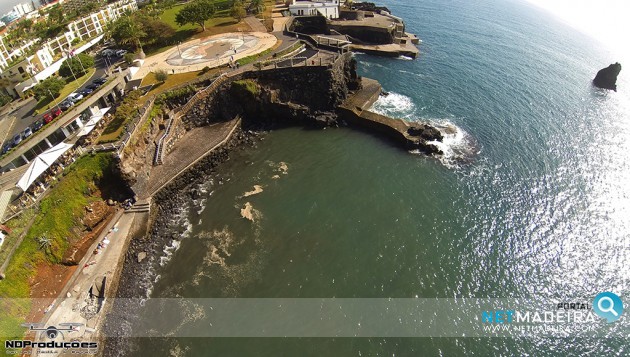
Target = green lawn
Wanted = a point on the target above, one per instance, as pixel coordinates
(45, 104)
(173, 80)
(168, 16)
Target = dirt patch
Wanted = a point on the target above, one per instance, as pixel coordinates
(45, 287)
(95, 221)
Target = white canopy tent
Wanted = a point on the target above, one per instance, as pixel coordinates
(91, 124)
(41, 163)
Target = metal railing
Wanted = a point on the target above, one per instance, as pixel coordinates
(176, 114)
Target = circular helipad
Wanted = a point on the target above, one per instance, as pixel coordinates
(213, 49)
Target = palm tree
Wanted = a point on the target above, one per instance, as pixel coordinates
(44, 243)
(126, 31)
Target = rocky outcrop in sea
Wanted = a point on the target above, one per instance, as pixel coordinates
(606, 78)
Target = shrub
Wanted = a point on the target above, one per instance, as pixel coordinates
(161, 75)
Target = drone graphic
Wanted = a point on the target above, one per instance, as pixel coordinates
(53, 332)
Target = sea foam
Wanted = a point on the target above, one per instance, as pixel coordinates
(395, 105)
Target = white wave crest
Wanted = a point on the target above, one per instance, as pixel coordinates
(394, 105)
(168, 252)
(457, 146)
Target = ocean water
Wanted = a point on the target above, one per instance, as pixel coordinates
(532, 200)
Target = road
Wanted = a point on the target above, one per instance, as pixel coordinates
(25, 116)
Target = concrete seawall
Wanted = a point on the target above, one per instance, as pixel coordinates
(355, 111)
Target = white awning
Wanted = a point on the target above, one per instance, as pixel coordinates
(91, 124)
(41, 163)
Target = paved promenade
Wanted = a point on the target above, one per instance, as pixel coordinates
(192, 147)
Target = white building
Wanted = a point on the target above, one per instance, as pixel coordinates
(327, 8)
(24, 8)
(22, 68)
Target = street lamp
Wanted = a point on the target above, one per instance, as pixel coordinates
(53, 98)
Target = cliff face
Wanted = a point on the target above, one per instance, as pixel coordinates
(606, 78)
(299, 95)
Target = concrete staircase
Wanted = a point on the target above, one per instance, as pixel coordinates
(140, 207)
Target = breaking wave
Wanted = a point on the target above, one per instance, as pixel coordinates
(395, 105)
(458, 147)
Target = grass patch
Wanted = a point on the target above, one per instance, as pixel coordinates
(289, 49)
(46, 104)
(249, 59)
(247, 86)
(125, 112)
(17, 225)
(58, 213)
(173, 81)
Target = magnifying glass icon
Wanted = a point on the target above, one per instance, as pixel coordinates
(610, 308)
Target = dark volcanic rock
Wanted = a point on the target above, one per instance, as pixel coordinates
(369, 6)
(606, 78)
(426, 132)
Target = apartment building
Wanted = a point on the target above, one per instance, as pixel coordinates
(22, 68)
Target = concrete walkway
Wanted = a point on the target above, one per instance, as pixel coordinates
(201, 49)
(195, 145)
(255, 24)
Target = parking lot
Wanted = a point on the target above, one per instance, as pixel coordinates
(26, 121)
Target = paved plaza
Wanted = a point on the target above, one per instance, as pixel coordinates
(213, 51)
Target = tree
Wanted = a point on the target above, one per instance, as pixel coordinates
(161, 75)
(196, 13)
(129, 58)
(126, 31)
(5, 99)
(257, 6)
(156, 30)
(49, 88)
(76, 66)
(238, 11)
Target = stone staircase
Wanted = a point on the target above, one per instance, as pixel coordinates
(140, 207)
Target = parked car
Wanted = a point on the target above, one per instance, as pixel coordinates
(93, 87)
(85, 91)
(74, 97)
(99, 81)
(17, 139)
(65, 105)
(37, 125)
(121, 53)
(55, 112)
(48, 118)
(108, 52)
(27, 132)
(1, 239)
(6, 148)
